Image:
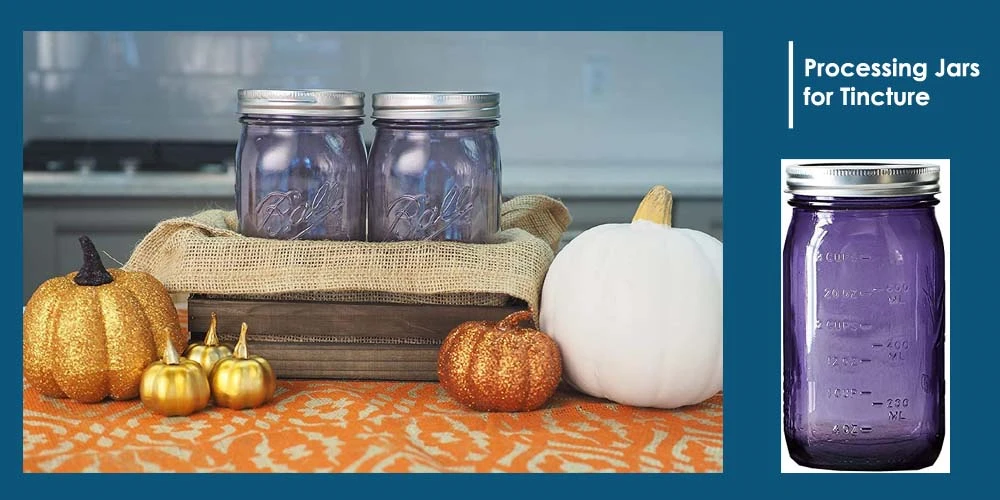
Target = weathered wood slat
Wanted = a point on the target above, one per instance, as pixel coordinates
(339, 361)
(304, 318)
(354, 360)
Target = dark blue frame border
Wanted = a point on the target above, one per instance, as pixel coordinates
(960, 125)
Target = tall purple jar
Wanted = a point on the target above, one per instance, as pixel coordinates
(864, 317)
(300, 165)
(434, 168)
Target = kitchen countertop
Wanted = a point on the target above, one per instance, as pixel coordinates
(553, 180)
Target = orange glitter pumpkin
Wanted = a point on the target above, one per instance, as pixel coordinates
(499, 366)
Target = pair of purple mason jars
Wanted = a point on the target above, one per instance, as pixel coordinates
(864, 327)
(433, 172)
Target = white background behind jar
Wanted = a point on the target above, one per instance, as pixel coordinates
(943, 214)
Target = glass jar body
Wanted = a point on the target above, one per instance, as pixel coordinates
(301, 178)
(864, 333)
(434, 180)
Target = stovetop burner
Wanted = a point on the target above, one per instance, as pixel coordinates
(128, 156)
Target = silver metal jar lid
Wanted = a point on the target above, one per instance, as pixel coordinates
(436, 105)
(863, 180)
(321, 103)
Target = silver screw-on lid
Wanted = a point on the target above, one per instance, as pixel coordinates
(863, 180)
(436, 105)
(320, 103)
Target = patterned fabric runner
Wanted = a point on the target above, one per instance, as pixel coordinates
(348, 426)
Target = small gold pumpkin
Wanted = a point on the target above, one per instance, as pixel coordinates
(209, 352)
(242, 381)
(174, 386)
(499, 366)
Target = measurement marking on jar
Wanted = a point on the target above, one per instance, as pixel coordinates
(844, 361)
(847, 293)
(895, 349)
(843, 393)
(866, 429)
(876, 403)
(897, 402)
(846, 325)
(894, 292)
(866, 392)
(850, 429)
(897, 344)
(841, 257)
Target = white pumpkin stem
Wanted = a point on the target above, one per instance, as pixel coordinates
(212, 338)
(170, 355)
(656, 206)
(240, 351)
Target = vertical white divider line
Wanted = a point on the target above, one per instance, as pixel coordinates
(791, 85)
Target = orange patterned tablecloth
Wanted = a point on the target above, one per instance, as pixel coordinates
(356, 426)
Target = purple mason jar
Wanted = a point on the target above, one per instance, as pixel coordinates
(434, 171)
(300, 165)
(864, 317)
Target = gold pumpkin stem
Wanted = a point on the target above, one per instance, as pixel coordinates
(656, 206)
(240, 351)
(514, 319)
(170, 355)
(211, 337)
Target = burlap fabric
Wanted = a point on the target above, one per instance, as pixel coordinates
(205, 254)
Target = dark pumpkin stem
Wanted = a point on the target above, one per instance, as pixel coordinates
(93, 272)
(514, 319)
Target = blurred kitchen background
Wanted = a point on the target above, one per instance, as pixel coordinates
(125, 129)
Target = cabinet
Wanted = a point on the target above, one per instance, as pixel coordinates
(53, 226)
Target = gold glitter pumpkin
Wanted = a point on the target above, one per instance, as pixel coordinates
(242, 381)
(499, 366)
(90, 334)
(209, 352)
(174, 386)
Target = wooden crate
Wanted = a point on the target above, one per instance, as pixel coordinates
(325, 340)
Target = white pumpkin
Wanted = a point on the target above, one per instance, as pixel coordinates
(637, 310)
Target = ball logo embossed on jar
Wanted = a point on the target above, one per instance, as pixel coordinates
(281, 213)
(418, 217)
